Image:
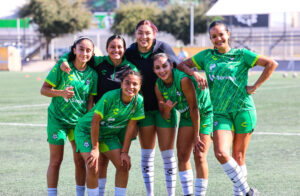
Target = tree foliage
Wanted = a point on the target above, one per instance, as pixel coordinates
(131, 13)
(175, 19)
(57, 17)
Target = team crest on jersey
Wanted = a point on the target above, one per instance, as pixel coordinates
(103, 72)
(86, 144)
(178, 93)
(54, 136)
(88, 82)
(216, 123)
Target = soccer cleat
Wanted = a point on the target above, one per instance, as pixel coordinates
(252, 192)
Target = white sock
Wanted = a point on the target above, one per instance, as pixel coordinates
(52, 191)
(234, 172)
(200, 186)
(170, 170)
(80, 190)
(120, 191)
(236, 190)
(147, 166)
(186, 178)
(93, 192)
(101, 186)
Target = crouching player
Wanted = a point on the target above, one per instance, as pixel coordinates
(175, 89)
(109, 128)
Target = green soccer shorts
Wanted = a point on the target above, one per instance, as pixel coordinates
(154, 118)
(239, 122)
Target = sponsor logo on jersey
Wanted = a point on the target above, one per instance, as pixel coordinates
(214, 58)
(86, 144)
(71, 77)
(54, 136)
(213, 77)
(116, 110)
(111, 119)
(212, 66)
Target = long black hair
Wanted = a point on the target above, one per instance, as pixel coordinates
(111, 38)
(72, 56)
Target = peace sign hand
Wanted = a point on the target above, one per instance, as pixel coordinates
(168, 105)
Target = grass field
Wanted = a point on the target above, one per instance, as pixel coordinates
(273, 158)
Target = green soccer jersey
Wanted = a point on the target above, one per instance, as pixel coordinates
(175, 94)
(227, 76)
(84, 83)
(114, 113)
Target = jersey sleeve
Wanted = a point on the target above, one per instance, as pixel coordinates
(198, 60)
(102, 105)
(53, 77)
(250, 58)
(95, 84)
(139, 112)
(63, 58)
(171, 54)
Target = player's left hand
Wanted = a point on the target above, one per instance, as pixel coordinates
(92, 160)
(125, 161)
(251, 90)
(198, 145)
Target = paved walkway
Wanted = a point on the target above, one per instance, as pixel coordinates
(38, 66)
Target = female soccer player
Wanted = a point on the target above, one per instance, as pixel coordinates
(234, 111)
(175, 89)
(104, 128)
(140, 54)
(72, 97)
(110, 69)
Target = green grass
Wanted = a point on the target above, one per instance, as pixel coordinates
(272, 160)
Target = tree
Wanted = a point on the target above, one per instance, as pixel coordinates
(57, 17)
(130, 14)
(175, 19)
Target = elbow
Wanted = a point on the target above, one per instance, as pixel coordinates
(42, 92)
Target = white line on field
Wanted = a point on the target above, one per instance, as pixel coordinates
(273, 133)
(23, 106)
(23, 124)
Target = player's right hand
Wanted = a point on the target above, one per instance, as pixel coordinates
(68, 92)
(202, 82)
(65, 67)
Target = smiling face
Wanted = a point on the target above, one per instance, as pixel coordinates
(116, 49)
(130, 85)
(219, 36)
(144, 37)
(84, 51)
(163, 69)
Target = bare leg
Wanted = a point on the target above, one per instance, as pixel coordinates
(56, 157)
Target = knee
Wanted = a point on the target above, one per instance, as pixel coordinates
(221, 155)
(239, 157)
(183, 157)
(55, 162)
(92, 171)
(79, 162)
(103, 162)
(200, 158)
